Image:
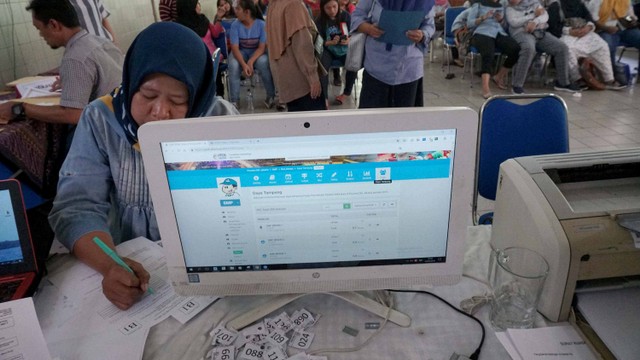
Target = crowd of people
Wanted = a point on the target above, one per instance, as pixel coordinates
(168, 73)
(572, 32)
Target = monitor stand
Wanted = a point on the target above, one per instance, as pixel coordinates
(357, 299)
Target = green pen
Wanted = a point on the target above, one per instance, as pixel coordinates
(112, 254)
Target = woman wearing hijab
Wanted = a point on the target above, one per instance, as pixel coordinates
(290, 38)
(103, 191)
(190, 15)
(616, 23)
(580, 37)
(485, 20)
(393, 73)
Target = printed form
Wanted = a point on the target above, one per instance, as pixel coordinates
(79, 322)
(20, 333)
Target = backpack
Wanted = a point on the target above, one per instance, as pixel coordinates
(621, 73)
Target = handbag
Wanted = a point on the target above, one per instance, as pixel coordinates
(355, 50)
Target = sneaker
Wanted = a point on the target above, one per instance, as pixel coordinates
(614, 85)
(269, 102)
(572, 88)
(281, 107)
(517, 90)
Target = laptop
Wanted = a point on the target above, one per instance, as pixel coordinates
(18, 266)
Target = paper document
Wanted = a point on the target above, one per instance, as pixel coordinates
(395, 25)
(20, 333)
(37, 87)
(552, 342)
(71, 305)
(615, 316)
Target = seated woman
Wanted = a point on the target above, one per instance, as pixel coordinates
(579, 35)
(190, 15)
(485, 18)
(333, 25)
(103, 191)
(248, 51)
(228, 13)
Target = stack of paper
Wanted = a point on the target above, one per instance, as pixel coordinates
(20, 331)
(553, 342)
(78, 322)
(38, 86)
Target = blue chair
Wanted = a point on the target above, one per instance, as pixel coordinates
(221, 44)
(31, 197)
(449, 40)
(513, 126)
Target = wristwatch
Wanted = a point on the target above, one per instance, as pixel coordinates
(17, 110)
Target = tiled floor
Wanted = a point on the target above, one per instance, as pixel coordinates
(598, 120)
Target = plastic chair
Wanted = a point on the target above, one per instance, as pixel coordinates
(513, 126)
(449, 40)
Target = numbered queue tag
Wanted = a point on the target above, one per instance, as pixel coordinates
(274, 353)
(278, 338)
(189, 307)
(223, 353)
(281, 322)
(130, 328)
(252, 351)
(222, 336)
(301, 339)
(302, 319)
(256, 333)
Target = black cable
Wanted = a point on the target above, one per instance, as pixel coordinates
(476, 353)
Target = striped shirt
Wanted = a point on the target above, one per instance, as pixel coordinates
(168, 10)
(91, 13)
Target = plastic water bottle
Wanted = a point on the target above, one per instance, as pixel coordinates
(250, 107)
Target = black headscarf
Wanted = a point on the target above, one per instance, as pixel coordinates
(490, 3)
(188, 17)
(171, 49)
(575, 8)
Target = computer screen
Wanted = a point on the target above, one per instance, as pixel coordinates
(312, 202)
(10, 246)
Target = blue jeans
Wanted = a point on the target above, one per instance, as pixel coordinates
(261, 65)
(628, 37)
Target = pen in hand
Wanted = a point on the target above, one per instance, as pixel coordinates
(112, 254)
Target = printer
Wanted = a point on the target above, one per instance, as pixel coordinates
(579, 210)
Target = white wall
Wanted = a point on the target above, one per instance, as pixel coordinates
(24, 53)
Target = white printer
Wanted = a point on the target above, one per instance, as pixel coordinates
(575, 209)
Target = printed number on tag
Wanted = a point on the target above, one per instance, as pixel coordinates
(222, 336)
(189, 306)
(278, 338)
(223, 353)
(282, 322)
(302, 318)
(130, 328)
(274, 353)
(252, 352)
(301, 340)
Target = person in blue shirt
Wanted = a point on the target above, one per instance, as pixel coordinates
(485, 20)
(392, 75)
(103, 190)
(249, 51)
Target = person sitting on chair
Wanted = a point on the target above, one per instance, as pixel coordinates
(103, 190)
(527, 21)
(616, 23)
(333, 25)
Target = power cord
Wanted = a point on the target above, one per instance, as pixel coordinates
(385, 299)
(476, 353)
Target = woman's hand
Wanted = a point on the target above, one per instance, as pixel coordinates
(123, 288)
(530, 27)
(415, 35)
(316, 89)
(344, 41)
(334, 41)
(371, 30)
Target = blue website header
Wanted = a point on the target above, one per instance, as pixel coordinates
(311, 174)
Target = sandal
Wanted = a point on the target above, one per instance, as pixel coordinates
(340, 99)
(487, 95)
(500, 85)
